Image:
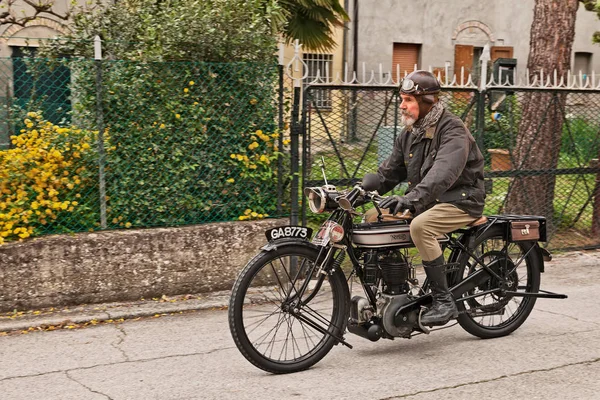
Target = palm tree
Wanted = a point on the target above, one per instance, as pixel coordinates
(311, 22)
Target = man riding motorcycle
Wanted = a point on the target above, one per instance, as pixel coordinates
(438, 157)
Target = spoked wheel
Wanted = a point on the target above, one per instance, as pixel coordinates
(272, 326)
(489, 311)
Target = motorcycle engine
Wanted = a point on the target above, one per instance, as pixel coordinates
(395, 271)
(392, 269)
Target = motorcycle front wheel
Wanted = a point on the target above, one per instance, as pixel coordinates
(276, 329)
(491, 313)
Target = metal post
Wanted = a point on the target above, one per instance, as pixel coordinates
(281, 128)
(305, 150)
(100, 126)
(480, 116)
(396, 94)
(353, 116)
(295, 162)
(480, 119)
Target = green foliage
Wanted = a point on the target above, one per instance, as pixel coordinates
(594, 6)
(256, 164)
(174, 124)
(580, 140)
(171, 30)
(174, 127)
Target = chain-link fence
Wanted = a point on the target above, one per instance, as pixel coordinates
(541, 148)
(111, 144)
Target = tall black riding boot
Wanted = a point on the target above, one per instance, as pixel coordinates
(443, 308)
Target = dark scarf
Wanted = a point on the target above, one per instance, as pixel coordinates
(430, 119)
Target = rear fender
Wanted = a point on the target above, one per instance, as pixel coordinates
(543, 255)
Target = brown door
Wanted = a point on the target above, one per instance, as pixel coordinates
(407, 56)
(463, 57)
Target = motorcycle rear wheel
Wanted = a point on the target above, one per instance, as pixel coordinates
(270, 328)
(495, 315)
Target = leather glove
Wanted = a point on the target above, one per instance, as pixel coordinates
(396, 204)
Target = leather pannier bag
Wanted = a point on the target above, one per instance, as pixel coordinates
(524, 230)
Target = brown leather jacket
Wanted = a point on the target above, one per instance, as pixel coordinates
(443, 165)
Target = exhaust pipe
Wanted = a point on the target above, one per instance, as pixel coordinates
(373, 332)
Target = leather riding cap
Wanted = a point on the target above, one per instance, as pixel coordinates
(419, 83)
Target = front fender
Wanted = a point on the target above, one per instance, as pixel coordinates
(279, 243)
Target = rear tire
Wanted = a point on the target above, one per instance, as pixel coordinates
(494, 315)
(262, 322)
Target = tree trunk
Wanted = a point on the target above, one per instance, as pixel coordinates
(539, 137)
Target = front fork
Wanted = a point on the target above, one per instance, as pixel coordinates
(322, 269)
(295, 303)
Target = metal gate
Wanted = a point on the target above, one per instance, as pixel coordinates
(352, 127)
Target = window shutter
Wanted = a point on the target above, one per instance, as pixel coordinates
(463, 57)
(406, 55)
(501, 52)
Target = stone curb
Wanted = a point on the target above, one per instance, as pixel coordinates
(113, 311)
(182, 303)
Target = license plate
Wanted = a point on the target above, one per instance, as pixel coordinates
(299, 232)
(322, 236)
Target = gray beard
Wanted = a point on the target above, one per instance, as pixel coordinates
(407, 121)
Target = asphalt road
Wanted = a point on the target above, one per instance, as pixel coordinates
(554, 355)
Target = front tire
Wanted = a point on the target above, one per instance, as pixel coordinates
(496, 315)
(269, 327)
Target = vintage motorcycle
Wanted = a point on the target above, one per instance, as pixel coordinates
(292, 302)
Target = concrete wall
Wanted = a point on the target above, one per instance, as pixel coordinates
(126, 265)
(436, 25)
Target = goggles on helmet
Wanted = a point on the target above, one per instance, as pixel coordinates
(408, 86)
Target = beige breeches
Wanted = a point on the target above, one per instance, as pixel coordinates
(427, 226)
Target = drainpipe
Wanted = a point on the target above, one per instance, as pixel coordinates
(354, 116)
(355, 39)
(345, 37)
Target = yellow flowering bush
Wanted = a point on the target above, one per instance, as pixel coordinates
(249, 215)
(257, 163)
(41, 177)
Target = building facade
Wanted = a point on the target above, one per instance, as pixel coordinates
(448, 35)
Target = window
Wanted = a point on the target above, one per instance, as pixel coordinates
(582, 63)
(405, 55)
(321, 64)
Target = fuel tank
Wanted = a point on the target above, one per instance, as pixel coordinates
(384, 234)
(378, 234)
